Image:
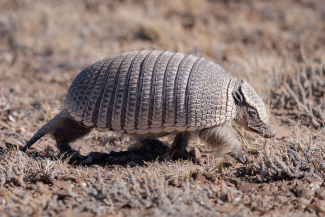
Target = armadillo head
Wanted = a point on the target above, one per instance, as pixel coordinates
(251, 112)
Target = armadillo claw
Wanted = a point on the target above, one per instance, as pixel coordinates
(76, 158)
(179, 154)
(243, 158)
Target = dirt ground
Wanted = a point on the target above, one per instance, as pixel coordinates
(277, 46)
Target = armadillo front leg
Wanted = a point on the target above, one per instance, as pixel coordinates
(222, 139)
(179, 145)
(68, 132)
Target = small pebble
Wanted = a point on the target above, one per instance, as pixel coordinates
(320, 194)
(249, 186)
(173, 182)
(319, 209)
(302, 202)
(315, 181)
(306, 193)
(287, 192)
(199, 178)
(80, 182)
(265, 193)
(266, 188)
(285, 187)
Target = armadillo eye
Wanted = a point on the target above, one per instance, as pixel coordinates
(252, 112)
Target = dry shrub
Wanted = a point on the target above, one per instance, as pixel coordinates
(299, 92)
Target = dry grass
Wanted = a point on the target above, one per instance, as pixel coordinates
(277, 46)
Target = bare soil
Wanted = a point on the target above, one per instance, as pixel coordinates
(277, 46)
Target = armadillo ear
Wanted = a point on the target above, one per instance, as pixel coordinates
(238, 96)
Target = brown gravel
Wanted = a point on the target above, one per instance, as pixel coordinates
(277, 46)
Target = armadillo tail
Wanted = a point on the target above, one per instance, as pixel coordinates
(47, 128)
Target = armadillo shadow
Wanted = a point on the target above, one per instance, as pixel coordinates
(149, 151)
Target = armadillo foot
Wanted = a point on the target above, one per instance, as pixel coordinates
(76, 158)
(243, 157)
(179, 154)
(179, 146)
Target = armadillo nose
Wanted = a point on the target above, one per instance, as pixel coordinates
(269, 133)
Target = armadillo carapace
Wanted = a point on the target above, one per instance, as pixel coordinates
(150, 93)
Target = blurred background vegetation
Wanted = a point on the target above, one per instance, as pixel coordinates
(45, 44)
(276, 45)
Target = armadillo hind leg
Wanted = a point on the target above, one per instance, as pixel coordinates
(69, 131)
(223, 140)
(179, 145)
(47, 128)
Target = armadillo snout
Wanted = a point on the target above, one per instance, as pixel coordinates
(269, 132)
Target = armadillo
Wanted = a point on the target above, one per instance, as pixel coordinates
(150, 93)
